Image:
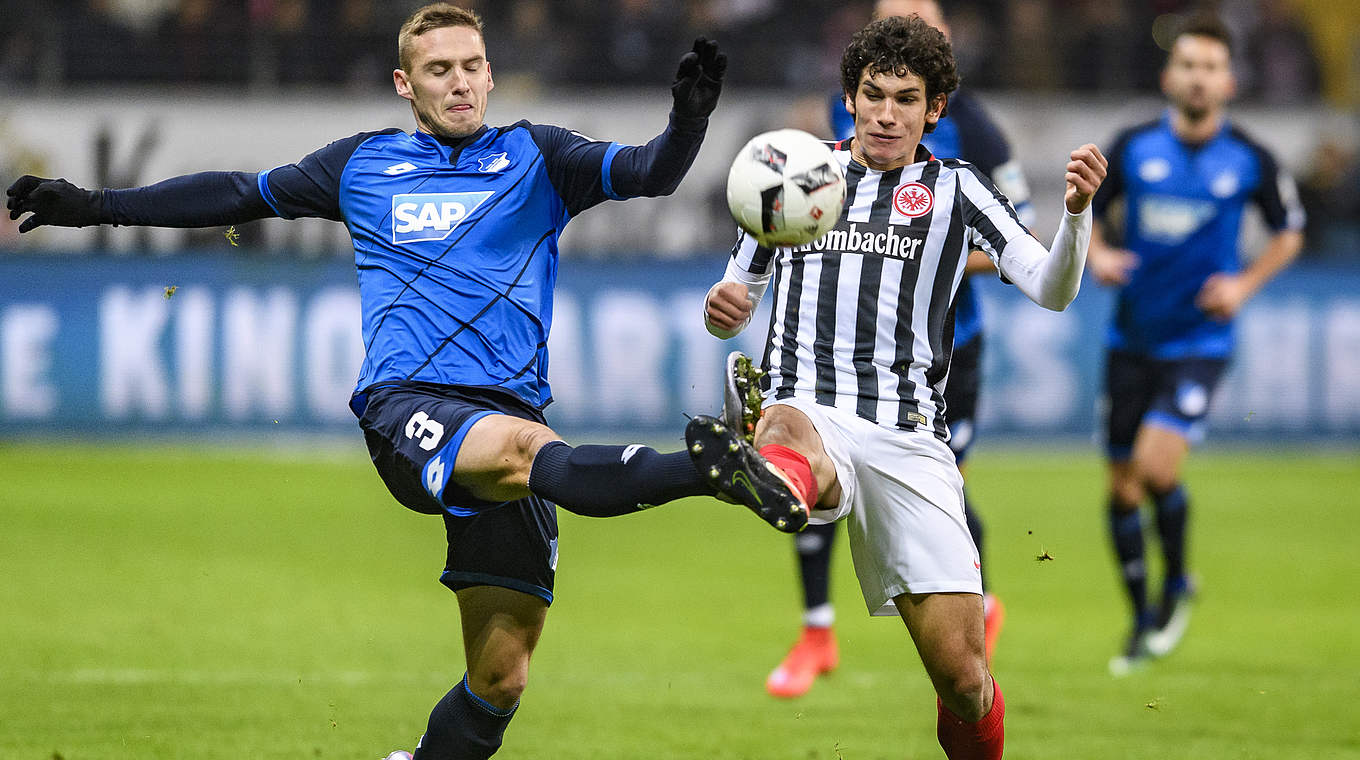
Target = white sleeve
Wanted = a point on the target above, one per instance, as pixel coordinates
(749, 265)
(1051, 278)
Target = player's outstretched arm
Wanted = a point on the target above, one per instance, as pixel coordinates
(205, 199)
(656, 168)
(698, 80)
(1052, 278)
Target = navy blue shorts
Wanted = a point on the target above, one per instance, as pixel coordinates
(961, 395)
(1169, 393)
(413, 432)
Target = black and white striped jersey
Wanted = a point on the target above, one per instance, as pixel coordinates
(862, 319)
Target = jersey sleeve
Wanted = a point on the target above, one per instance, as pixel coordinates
(991, 220)
(311, 187)
(1276, 195)
(588, 172)
(204, 199)
(750, 262)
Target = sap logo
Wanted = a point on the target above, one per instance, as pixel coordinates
(1170, 221)
(431, 216)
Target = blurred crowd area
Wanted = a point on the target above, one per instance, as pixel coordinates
(1080, 45)
(1290, 54)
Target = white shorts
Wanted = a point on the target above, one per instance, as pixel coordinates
(903, 495)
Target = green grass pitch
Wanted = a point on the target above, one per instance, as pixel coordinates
(162, 602)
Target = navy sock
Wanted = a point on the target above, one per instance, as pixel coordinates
(814, 563)
(463, 726)
(605, 481)
(1172, 510)
(1126, 528)
(975, 530)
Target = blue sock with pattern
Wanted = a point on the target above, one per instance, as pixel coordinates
(1172, 510)
(1126, 529)
(463, 726)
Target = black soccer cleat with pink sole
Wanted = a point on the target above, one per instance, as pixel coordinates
(741, 475)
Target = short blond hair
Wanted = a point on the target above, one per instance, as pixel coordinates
(433, 16)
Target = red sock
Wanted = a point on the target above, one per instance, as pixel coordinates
(973, 741)
(796, 467)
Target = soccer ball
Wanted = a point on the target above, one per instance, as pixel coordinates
(785, 188)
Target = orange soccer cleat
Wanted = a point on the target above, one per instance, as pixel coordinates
(993, 616)
(815, 653)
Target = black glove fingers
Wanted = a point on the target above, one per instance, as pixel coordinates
(716, 68)
(23, 185)
(706, 49)
(698, 79)
(689, 66)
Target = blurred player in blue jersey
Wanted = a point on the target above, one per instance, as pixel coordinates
(967, 132)
(1185, 180)
(455, 230)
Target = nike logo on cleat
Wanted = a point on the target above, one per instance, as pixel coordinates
(739, 479)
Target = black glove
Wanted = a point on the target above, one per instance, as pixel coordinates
(52, 201)
(698, 80)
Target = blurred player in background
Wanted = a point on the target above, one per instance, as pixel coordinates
(1186, 180)
(970, 134)
(859, 347)
(455, 229)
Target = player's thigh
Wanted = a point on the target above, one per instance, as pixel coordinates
(784, 425)
(948, 632)
(497, 455)
(907, 529)
(1131, 383)
(1158, 453)
(501, 628)
(417, 437)
(1175, 419)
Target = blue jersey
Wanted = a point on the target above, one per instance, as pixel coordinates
(455, 242)
(967, 132)
(1183, 213)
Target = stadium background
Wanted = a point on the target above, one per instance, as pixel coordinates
(262, 336)
(110, 389)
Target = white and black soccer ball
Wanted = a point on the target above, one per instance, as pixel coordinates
(785, 188)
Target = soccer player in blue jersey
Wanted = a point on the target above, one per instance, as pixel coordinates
(966, 132)
(455, 228)
(1185, 180)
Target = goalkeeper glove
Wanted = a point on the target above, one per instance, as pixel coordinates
(698, 80)
(52, 201)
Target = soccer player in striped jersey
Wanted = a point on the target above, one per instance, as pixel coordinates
(455, 229)
(1185, 180)
(858, 352)
(968, 132)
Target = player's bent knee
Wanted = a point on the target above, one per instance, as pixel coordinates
(502, 688)
(1161, 479)
(965, 692)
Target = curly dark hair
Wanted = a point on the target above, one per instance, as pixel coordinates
(899, 45)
